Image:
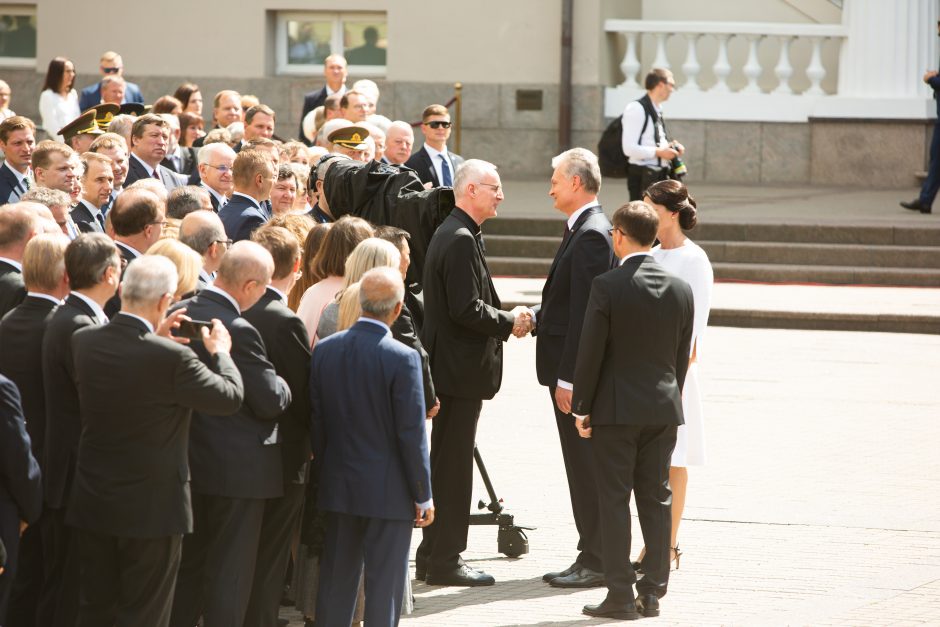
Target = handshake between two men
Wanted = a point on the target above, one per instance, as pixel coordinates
(524, 321)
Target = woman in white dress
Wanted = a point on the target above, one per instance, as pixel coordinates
(58, 102)
(686, 259)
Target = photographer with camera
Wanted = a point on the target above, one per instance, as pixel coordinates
(653, 156)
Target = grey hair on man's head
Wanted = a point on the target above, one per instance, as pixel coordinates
(208, 151)
(582, 163)
(148, 279)
(184, 200)
(380, 291)
(472, 171)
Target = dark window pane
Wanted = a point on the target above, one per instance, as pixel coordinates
(308, 41)
(365, 42)
(18, 36)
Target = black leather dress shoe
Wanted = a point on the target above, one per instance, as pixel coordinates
(609, 609)
(563, 573)
(916, 205)
(648, 605)
(462, 575)
(421, 571)
(583, 578)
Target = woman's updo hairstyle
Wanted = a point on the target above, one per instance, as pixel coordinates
(675, 197)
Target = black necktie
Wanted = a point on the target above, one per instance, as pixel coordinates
(100, 218)
(480, 244)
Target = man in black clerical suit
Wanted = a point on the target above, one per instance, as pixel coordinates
(463, 333)
(20, 485)
(150, 139)
(585, 252)
(130, 501)
(433, 163)
(627, 399)
(254, 176)
(235, 459)
(93, 266)
(138, 218)
(334, 71)
(21, 335)
(18, 225)
(288, 347)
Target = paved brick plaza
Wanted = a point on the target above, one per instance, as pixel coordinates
(819, 504)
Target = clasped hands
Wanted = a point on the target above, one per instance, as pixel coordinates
(524, 321)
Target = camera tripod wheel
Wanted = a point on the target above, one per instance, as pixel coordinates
(512, 541)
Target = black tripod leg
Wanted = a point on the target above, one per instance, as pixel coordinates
(494, 505)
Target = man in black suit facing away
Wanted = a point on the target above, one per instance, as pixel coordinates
(93, 265)
(138, 218)
(97, 184)
(20, 485)
(463, 333)
(288, 347)
(18, 225)
(150, 140)
(433, 163)
(21, 335)
(627, 399)
(585, 252)
(130, 501)
(335, 72)
(235, 459)
(203, 232)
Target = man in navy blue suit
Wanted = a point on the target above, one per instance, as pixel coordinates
(111, 65)
(254, 176)
(370, 445)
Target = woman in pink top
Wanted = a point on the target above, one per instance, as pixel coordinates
(330, 263)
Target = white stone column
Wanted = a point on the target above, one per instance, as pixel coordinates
(888, 47)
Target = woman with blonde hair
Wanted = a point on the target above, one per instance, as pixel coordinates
(187, 261)
(370, 253)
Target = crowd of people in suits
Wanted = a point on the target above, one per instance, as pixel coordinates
(215, 385)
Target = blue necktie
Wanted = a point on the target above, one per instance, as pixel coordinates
(448, 180)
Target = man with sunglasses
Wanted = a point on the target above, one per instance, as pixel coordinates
(434, 164)
(111, 65)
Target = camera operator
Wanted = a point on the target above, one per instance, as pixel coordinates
(645, 143)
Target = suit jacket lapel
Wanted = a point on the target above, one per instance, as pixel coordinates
(565, 243)
(430, 165)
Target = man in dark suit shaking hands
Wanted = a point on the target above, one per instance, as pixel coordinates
(463, 332)
(370, 445)
(627, 398)
(130, 501)
(585, 252)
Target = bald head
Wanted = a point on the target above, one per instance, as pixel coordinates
(200, 229)
(245, 272)
(381, 292)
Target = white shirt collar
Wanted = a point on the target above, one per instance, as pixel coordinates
(573, 218)
(279, 293)
(13, 262)
(46, 296)
(95, 307)
(128, 248)
(205, 276)
(375, 322)
(253, 201)
(135, 316)
(141, 161)
(217, 195)
(340, 91)
(228, 297)
(434, 152)
(94, 210)
(644, 252)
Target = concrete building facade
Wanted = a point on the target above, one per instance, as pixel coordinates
(731, 112)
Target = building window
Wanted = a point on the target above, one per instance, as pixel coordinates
(305, 40)
(17, 36)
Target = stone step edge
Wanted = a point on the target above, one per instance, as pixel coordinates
(728, 265)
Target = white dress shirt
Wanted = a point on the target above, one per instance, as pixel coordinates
(436, 162)
(644, 151)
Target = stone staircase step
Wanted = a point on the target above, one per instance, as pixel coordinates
(789, 273)
(519, 266)
(521, 245)
(823, 254)
(545, 227)
(878, 235)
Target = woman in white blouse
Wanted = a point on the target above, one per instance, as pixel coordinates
(58, 102)
(686, 259)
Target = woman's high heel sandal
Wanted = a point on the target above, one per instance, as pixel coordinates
(678, 555)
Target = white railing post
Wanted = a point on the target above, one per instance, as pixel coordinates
(752, 67)
(784, 70)
(630, 64)
(722, 68)
(661, 60)
(691, 67)
(815, 71)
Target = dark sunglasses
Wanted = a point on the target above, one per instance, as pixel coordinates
(439, 124)
(110, 70)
